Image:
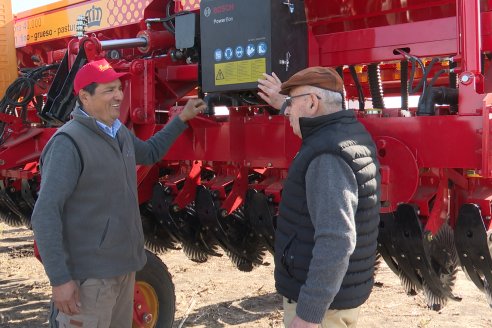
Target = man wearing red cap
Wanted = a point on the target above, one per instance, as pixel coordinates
(326, 236)
(86, 220)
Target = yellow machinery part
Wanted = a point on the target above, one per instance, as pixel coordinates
(152, 302)
(8, 60)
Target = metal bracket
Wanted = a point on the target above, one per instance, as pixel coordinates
(285, 61)
(290, 5)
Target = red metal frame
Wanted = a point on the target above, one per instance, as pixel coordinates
(259, 140)
(420, 156)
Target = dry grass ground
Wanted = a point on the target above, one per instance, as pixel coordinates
(215, 294)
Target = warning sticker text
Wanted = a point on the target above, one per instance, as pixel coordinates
(244, 71)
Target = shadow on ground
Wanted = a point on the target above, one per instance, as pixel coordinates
(21, 306)
(23, 302)
(237, 312)
(18, 246)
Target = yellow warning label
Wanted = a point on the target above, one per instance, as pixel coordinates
(243, 71)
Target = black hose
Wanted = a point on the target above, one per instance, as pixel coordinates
(168, 21)
(414, 61)
(404, 84)
(442, 95)
(426, 105)
(168, 25)
(425, 98)
(376, 86)
(437, 95)
(339, 70)
(22, 88)
(435, 77)
(430, 95)
(360, 91)
(412, 76)
(425, 71)
(425, 75)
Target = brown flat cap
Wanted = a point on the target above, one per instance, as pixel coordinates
(321, 77)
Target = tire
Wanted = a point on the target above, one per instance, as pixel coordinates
(155, 281)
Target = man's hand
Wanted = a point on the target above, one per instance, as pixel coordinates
(192, 108)
(270, 90)
(66, 298)
(299, 323)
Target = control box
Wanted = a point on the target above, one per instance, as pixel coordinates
(242, 39)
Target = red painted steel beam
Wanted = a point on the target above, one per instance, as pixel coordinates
(425, 39)
(436, 141)
(470, 100)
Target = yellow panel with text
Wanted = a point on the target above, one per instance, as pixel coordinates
(61, 22)
(244, 71)
(8, 60)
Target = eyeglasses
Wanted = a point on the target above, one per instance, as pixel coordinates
(288, 101)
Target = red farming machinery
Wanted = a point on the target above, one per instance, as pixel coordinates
(417, 73)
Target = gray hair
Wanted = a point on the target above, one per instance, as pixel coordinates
(332, 101)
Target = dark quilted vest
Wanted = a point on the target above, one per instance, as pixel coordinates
(341, 134)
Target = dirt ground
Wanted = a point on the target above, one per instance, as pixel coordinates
(215, 294)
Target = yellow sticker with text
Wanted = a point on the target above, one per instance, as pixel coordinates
(244, 71)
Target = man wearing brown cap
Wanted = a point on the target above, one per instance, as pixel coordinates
(86, 220)
(325, 242)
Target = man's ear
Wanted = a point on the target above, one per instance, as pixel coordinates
(313, 108)
(83, 95)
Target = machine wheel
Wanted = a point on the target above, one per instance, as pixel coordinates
(157, 289)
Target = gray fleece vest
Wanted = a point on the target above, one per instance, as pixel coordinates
(340, 134)
(101, 220)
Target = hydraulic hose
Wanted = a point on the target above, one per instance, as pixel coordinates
(431, 96)
(376, 86)
(440, 95)
(425, 72)
(358, 86)
(167, 22)
(404, 84)
(22, 88)
(437, 95)
(339, 70)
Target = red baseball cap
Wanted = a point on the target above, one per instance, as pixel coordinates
(99, 71)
